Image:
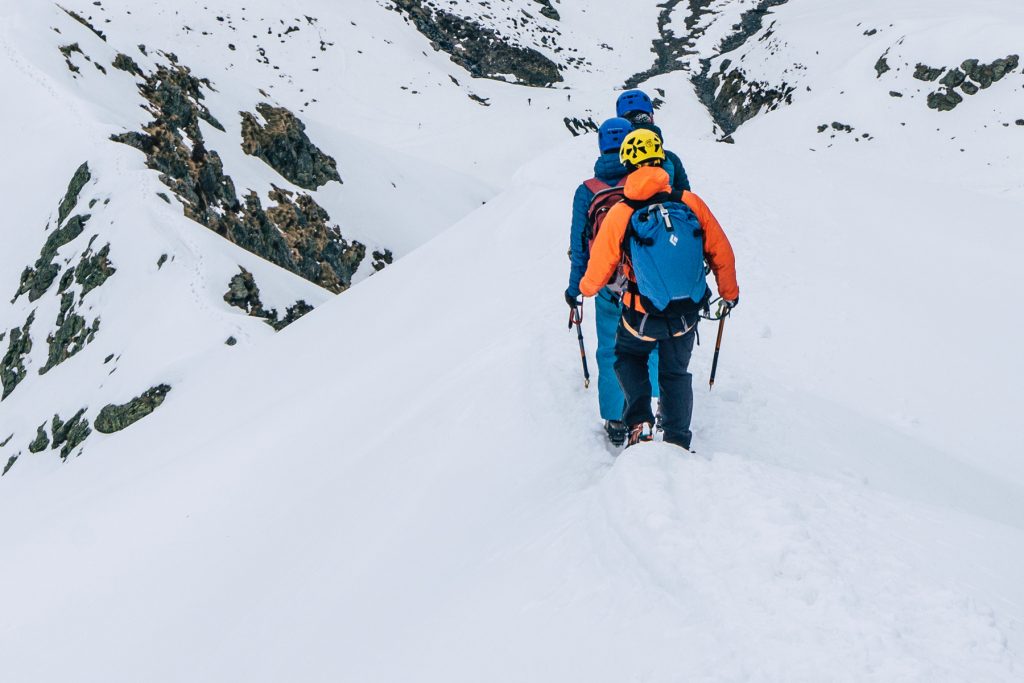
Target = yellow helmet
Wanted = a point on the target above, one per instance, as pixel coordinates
(639, 146)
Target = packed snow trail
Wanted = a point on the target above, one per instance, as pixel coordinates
(429, 496)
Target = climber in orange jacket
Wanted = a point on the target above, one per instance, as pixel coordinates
(644, 325)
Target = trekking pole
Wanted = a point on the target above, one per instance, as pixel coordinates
(718, 347)
(576, 318)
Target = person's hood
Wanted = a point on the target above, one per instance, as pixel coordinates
(609, 169)
(647, 181)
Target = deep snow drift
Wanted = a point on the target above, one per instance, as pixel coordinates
(419, 489)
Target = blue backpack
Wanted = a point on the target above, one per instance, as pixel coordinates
(665, 244)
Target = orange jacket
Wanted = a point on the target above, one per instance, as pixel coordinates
(606, 252)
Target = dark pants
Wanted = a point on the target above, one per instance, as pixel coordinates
(674, 349)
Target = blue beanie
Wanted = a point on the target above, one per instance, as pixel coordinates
(633, 100)
(612, 133)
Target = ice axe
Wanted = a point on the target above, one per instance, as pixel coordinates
(576, 318)
(718, 347)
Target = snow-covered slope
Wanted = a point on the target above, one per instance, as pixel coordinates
(410, 482)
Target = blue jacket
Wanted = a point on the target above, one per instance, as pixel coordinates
(607, 169)
(673, 164)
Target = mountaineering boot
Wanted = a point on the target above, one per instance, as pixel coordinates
(617, 431)
(638, 433)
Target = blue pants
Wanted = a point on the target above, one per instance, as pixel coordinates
(607, 311)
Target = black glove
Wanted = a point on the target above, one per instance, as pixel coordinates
(725, 306)
(571, 299)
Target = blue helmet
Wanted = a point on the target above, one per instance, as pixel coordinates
(612, 133)
(633, 100)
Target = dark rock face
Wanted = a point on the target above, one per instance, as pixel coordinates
(36, 279)
(68, 435)
(733, 100)
(728, 94)
(41, 442)
(382, 259)
(113, 418)
(244, 293)
(286, 148)
(71, 336)
(971, 77)
(479, 50)
(296, 234)
(12, 366)
(125, 63)
(547, 10)
(882, 65)
(94, 269)
(10, 463)
(668, 48)
(923, 72)
(84, 22)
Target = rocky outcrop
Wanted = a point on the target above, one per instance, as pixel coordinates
(478, 49)
(969, 78)
(71, 335)
(283, 144)
(67, 436)
(295, 234)
(113, 418)
(732, 99)
(37, 279)
(547, 10)
(41, 442)
(244, 293)
(93, 269)
(730, 96)
(12, 365)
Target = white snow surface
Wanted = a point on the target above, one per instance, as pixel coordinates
(411, 483)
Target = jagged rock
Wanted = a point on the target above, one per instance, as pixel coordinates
(547, 10)
(881, 66)
(10, 463)
(479, 50)
(70, 200)
(732, 99)
(953, 78)
(12, 366)
(71, 336)
(969, 88)
(6, 441)
(36, 280)
(894, 93)
(295, 234)
(842, 127)
(243, 293)
(382, 259)
(113, 418)
(126, 63)
(67, 51)
(81, 20)
(1019, 122)
(68, 435)
(923, 72)
(231, 341)
(293, 313)
(94, 269)
(283, 144)
(944, 100)
(41, 442)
